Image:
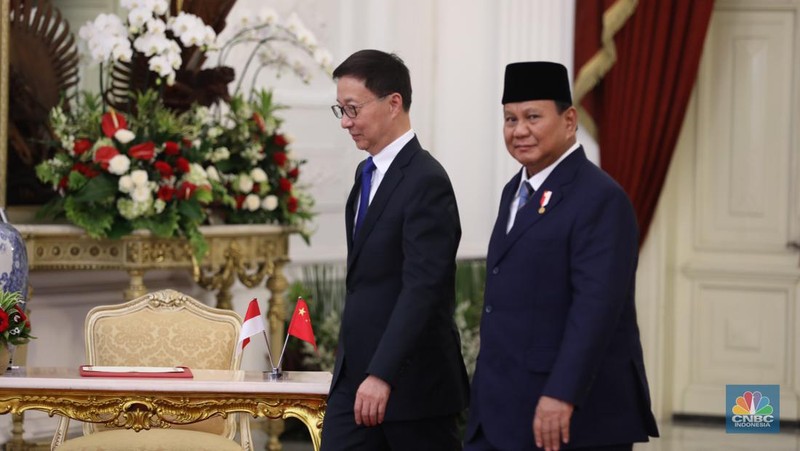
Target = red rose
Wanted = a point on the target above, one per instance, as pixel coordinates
(294, 173)
(62, 184)
(280, 140)
(111, 122)
(279, 158)
(143, 151)
(3, 320)
(104, 154)
(172, 148)
(256, 188)
(291, 204)
(259, 122)
(285, 185)
(164, 168)
(166, 193)
(239, 201)
(186, 190)
(81, 145)
(182, 164)
(187, 143)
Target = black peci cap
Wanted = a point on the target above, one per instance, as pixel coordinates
(536, 80)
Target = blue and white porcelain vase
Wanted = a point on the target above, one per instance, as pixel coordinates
(13, 259)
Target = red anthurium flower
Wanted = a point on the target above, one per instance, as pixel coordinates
(81, 145)
(23, 316)
(3, 320)
(182, 164)
(291, 204)
(166, 193)
(85, 169)
(172, 148)
(111, 122)
(143, 151)
(186, 190)
(259, 122)
(294, 173)
(279, 158)
(239, 198)
(280, 140)
(104, 154)
(285, 185)
(164, 168)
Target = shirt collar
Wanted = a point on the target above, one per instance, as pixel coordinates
(384, 158)
(539, 178)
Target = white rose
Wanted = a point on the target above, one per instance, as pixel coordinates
(119, 165)
(124, 136)
(270, 202)
(252, 202)
(139, 177)
(125, 184)
(258, 175)
(141, 194)
(245, 183)
(212, 173)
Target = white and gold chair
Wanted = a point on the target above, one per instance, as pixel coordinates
(163, 328)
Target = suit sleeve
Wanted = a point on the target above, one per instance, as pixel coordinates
(603, 256)
(431, 232)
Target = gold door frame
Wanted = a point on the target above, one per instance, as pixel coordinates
(5, 54)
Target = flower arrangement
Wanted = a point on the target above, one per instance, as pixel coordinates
(147, 161)
(253, 165)
(15, 327)
(118, 173)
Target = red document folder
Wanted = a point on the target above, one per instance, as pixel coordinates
(131, 371)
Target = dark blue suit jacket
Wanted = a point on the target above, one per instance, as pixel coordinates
(398, 316)
(559, 316)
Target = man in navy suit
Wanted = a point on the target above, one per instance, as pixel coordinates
(560, 363)
(399, 381)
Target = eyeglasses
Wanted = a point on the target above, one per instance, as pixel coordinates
(351, 111)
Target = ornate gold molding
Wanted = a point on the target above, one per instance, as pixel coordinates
(136, 412)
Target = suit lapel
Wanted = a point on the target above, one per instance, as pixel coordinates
(529, 215)
(381, 199)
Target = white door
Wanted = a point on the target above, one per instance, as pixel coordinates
(730, 208)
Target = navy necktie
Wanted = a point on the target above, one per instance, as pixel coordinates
(525, 193)
(366, 187)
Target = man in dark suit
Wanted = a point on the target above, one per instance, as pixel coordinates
(399, 381)
(560, 364)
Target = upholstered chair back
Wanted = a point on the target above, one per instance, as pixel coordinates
(166, 328)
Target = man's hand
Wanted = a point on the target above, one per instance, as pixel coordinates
(371, 399)
(551, 423)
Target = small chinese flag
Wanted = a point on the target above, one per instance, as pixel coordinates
(300, 324)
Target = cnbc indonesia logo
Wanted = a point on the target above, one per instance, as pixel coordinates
(753, 411)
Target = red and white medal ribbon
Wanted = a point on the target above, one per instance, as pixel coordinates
(544, 201)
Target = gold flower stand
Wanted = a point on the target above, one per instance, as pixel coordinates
(247, 253)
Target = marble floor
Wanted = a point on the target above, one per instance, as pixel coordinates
(674, 437)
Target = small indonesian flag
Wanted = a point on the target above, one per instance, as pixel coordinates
(253, 324)
(300, 324)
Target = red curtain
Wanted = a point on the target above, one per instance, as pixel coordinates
(639, 105)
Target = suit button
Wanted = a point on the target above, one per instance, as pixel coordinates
(488, 309)
(495, 270)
